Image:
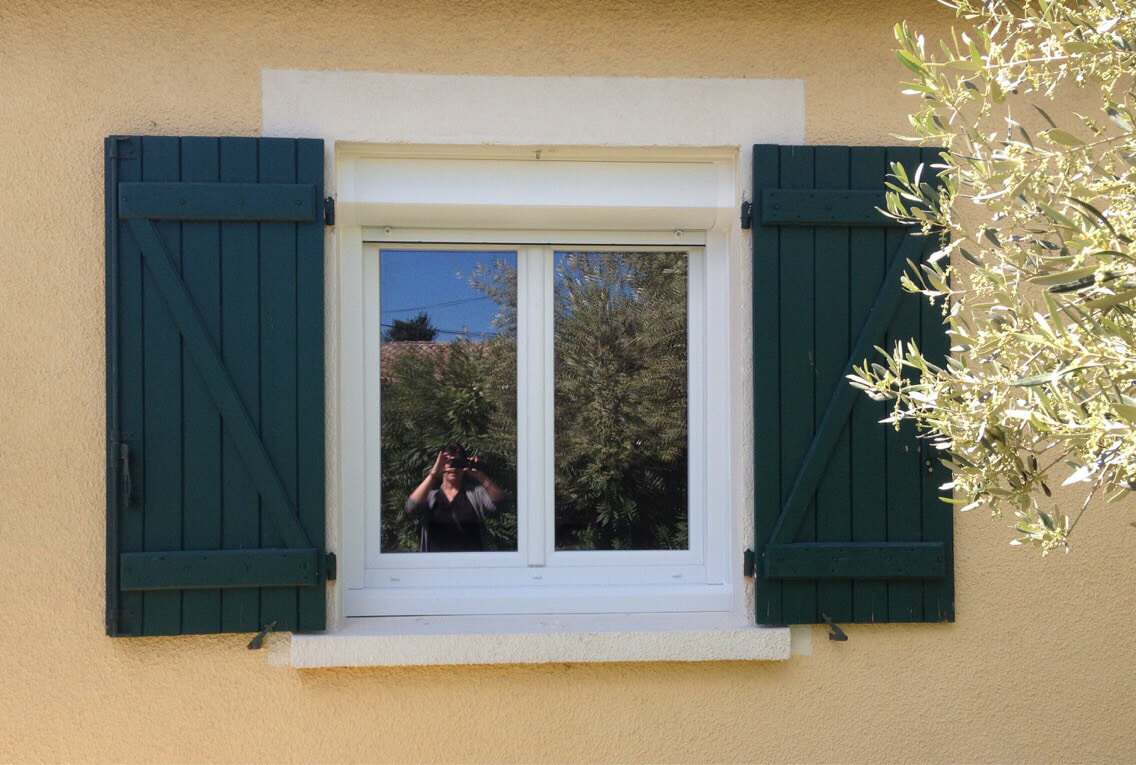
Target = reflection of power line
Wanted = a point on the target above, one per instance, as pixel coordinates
(434, 305)
(455, 331)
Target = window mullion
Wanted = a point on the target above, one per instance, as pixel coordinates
(531, 416)
(548, 396)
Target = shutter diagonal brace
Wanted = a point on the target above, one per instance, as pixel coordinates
(277, 506)
(829, 428)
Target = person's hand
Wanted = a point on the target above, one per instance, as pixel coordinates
(474, 471)
(486, 482)
(439, 465)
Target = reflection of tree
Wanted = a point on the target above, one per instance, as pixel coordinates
(497, 280)
(417, 328)
(621, 432)
(437, 393)
(463, 391)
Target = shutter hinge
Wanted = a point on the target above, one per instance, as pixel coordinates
(329, 211)
(330, 566)
(748, 565)
(747, 214)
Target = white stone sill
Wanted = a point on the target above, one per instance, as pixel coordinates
(535, 639)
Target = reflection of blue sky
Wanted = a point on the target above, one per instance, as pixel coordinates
(421, 281)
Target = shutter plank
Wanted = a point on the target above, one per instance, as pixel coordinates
(904, 493)
(880, 317)
(766, 381)
(217, 201)
(201, 571)
(277, 164)
(833, 343)
(240, 351)
(788, 207)
(131, 388)
(867, 436)
(797, 301)
(115, 477)
(844, 560)
(162, 464)
(278, 505)
(201, 264)
(938, 594)
(311, 613)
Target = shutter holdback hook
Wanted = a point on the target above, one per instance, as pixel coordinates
(258, 639)
(836, 634)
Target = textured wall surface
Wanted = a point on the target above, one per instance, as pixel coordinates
(1039, 666)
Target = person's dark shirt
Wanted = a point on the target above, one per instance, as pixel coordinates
(453, 526)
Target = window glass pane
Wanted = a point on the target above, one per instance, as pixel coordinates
(448, 368)
(621, 410)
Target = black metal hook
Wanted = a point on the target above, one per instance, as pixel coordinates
(837, 633)
(258, 639)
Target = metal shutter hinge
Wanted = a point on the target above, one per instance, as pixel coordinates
(329, 211)
(330, 566)
(748, 565)
(747, 214)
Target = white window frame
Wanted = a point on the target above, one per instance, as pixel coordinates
(614, 114)
(537, 578)
(642, 198)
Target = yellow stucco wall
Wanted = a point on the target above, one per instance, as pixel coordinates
(1039, 666)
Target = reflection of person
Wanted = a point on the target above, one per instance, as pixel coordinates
(452, 516)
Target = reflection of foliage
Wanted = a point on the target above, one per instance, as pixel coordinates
(621, 416)
(497, 280)
(621, 435)
(437, 393)
(417, 328)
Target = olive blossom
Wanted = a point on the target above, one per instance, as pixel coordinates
(1034, 208)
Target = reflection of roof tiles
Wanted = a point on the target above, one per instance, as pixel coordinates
(391, 350)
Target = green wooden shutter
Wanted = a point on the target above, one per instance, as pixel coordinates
(848, 519)
(215, 403)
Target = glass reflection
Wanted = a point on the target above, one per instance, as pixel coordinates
(448, 366)
(621, 408)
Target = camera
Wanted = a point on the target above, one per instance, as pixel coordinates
(459, 463)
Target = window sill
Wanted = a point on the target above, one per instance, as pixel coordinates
(411, 641)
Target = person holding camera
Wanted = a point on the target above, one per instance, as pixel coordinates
(452, 516)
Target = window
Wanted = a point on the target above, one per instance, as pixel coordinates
(571, 388)
(573, 364)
